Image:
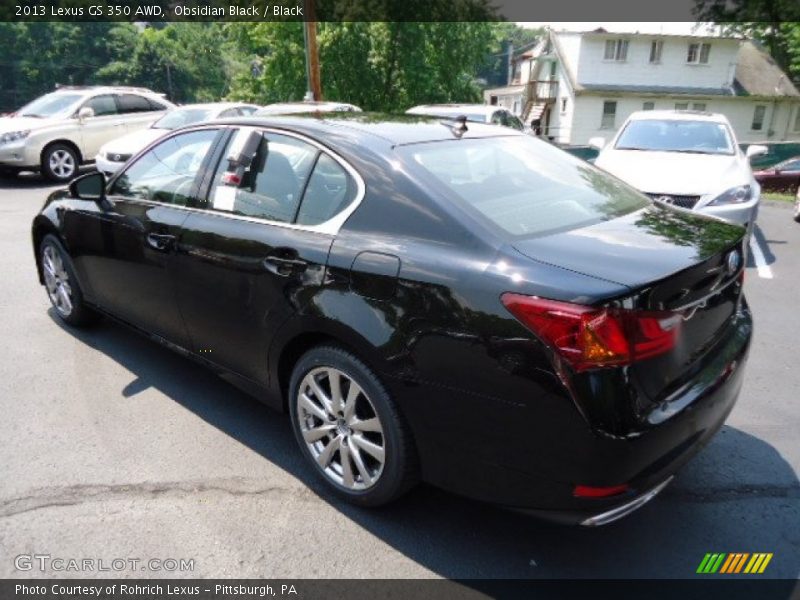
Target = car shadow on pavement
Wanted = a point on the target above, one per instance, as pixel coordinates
(738, 495)
(760, 239)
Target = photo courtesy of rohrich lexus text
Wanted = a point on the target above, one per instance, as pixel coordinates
(330, 299)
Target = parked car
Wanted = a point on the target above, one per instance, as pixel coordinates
(291, 108)
(466, 305)
(783, 177)
(115, 153)
(58, 132)
(688, 159)
(476, 113)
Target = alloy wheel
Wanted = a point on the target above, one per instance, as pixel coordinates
(341, 428)
(56, 281)
(62, 164)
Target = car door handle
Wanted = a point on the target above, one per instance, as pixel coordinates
(160, 241)
(283, 266)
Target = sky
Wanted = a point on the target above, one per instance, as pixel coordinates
(680, 28)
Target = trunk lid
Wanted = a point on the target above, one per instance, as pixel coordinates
(670, 260)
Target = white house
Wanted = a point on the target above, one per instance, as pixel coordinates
(579, 85)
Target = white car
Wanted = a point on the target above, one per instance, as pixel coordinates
(477, 113)
(291, 108)
(58, 132)
(688, 159)
(115, 153)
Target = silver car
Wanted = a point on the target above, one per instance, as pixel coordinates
(58, 132)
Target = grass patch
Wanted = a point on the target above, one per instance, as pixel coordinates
(779, 197)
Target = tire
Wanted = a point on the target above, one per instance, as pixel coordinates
(61, 284)
(60, 163)
(357, 431)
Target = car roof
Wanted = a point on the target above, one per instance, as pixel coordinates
(395, 130)
(212, 105)
(678, 115)
(310, 106)
(93, 89)
(452, 109)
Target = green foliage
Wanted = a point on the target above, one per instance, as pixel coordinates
(494, 69)
(378, 66)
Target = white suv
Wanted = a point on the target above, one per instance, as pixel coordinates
(58, 132)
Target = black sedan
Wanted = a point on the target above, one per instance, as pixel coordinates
(427, 299)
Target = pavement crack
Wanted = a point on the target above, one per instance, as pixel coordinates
(54, 496)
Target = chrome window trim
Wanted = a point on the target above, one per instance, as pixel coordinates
(329, 227)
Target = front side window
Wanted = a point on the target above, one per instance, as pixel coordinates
(664, 135)
(102, 105)
(521, 185)
(759, 112)
(609, 114)
(167, 172)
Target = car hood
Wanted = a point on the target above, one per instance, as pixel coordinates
(133, 142)
(678, 173)
(9, 124)
(635, 249)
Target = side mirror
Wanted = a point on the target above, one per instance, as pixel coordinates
(86, 112)
(756, 150)
(91, 186)
(597, 142)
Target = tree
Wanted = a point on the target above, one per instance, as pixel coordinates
(505, 36)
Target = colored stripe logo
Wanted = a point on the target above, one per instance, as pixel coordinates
(736, 562)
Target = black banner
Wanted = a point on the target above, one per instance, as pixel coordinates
(359, 589)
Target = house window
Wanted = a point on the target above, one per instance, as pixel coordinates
(681, 106)
(648, 106)
(656, 46)
(797, 120)
(563, 105)
(698, 53)
(758, 117)
(700, 106)
(616, 50)
(609, 114)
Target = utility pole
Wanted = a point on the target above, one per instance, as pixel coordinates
(314, 85)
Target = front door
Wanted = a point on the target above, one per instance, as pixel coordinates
(258, 250)
(126, 252)
(104, 125)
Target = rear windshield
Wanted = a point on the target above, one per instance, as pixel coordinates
(522, 185)
(676, 135)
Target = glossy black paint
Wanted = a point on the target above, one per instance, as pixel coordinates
(412, 285)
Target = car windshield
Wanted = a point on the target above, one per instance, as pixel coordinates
(50, 105)
(522, 185)
(182, 116)
(666, 135)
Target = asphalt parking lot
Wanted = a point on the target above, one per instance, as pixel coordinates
(113, 447)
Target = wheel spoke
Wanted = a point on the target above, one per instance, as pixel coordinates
(325, 457)
(321, 397)
(370, 448)
(66, 303)
(372, 424)
(366, 476)
(350, 403)
(317, 433)
(335, 380)
(347, 468)
(311, 407)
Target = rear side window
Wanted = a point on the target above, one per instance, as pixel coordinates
(522, 185)
(131, 103)
(330, 189)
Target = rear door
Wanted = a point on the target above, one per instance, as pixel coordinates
(258, 250)
(137, 111)
(127, 251)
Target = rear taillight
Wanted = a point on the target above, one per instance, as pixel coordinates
(589, 337)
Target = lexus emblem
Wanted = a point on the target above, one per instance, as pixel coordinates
(665, 199)
(732, 262)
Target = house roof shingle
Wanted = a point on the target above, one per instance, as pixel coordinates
(757, 74)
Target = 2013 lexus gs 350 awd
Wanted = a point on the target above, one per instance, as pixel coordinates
(436, 300)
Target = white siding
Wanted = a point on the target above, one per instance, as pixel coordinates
(673, 70)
